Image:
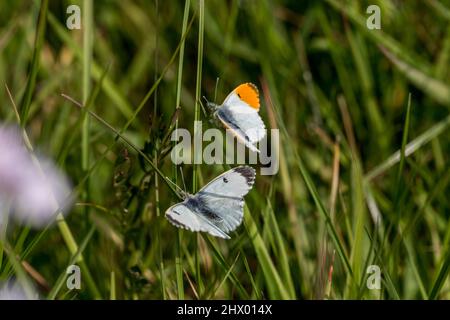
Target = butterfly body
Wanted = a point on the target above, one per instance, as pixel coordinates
(218, 207)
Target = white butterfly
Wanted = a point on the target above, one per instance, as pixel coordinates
(218, 208)
(239, 113)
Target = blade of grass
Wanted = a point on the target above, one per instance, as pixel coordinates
(60, 281)
(3, 228)
(437, 90)
(62, 224)
(156, 84)
(224, 265)
(129, 143)
(398, 184)
(379, 37)
(282, 252)
(368, 261)
(410, 148)
(88, 30)
(198, 83)
(155, 157)
(179, 258)
(41, 234)
(227, 274)
(198, 86)
(439, 8)
(256, 289)
(310, 185)
(387, 277)
(359, 220)
(358, 208)
(437, 190)
(108, 87)
(18, 268)
(297, 226)
(112, 295)
(276, 287)
(410, 253)
(365, 73)
(138, 109)
(38, 43)
(441, 276)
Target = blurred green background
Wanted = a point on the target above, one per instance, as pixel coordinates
(349, 102)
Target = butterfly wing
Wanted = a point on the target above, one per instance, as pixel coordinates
(247, 127)
(244, 97)
(224, 196)
(239, 113)
(218, 207)
(183, 215)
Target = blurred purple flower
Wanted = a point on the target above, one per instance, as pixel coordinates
(33, 190)
(13, 291)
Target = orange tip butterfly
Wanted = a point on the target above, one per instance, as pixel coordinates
(239, 113)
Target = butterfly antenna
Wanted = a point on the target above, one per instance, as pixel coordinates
(215, 90)
(182, 179)
(180, 191)
(203, 107)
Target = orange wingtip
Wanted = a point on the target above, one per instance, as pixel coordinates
(248, 92)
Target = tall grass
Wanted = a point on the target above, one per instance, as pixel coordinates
(363, 151)
(179, 257)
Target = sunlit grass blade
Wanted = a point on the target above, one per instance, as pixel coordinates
(178, 259)
(410, 148)
(227, 274)
(198, 83)
(224, 265)
(312, 189)
(436, 89)
(282, 251)
(59, 283)
(276, 287)
(198, 87)
(88, 32)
